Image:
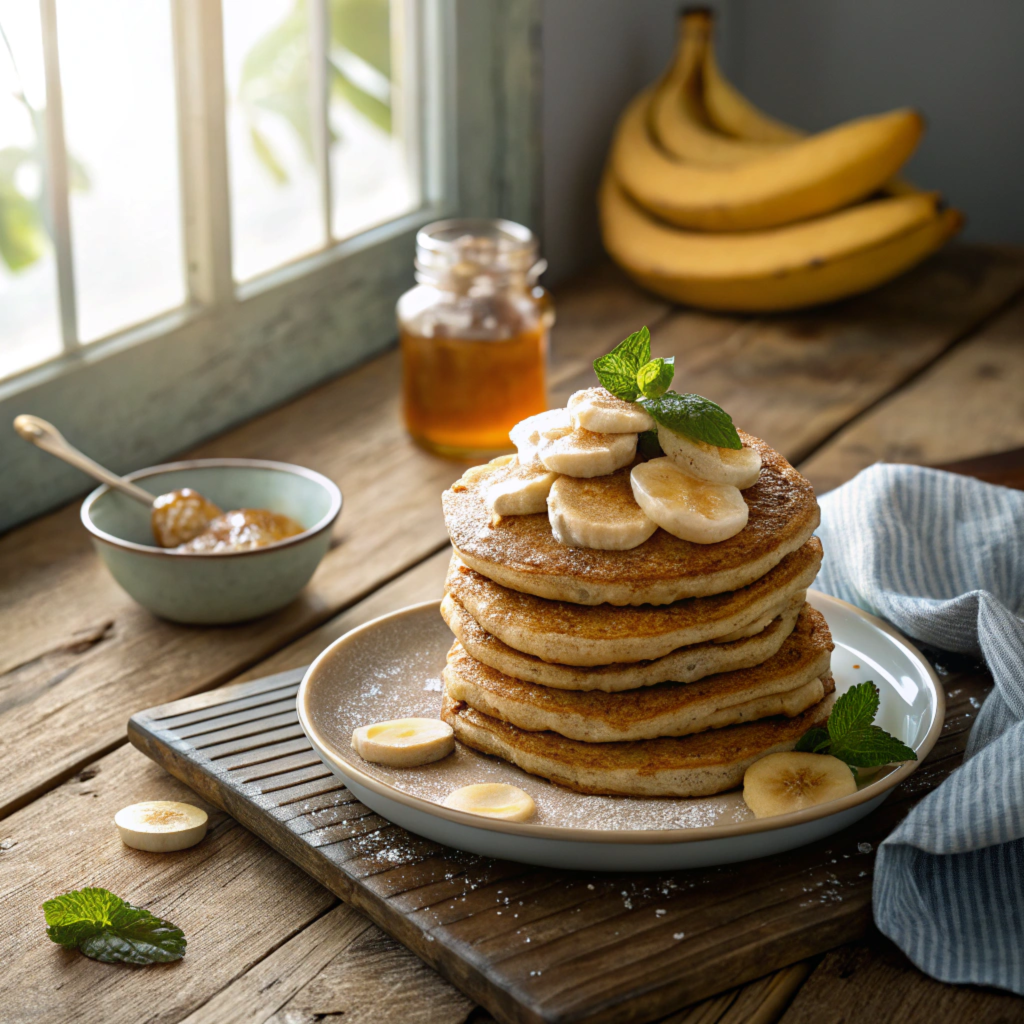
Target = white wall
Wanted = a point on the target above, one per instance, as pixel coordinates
(812, 62)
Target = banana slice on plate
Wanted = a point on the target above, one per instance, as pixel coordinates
(597, 513)
(493, 800)
(584, 453)
(519, 490)
(737, 466)
(161, 826)
(526, 434)
(404, 742)
(792, 780)
(599, 410)
(689, 509)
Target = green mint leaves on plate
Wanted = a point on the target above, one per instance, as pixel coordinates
(851, 735)
(105, 927)
(629, 373)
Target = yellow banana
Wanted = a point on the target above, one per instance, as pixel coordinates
(677, 116)
(804, 264)
(730, 112)
(811, 177)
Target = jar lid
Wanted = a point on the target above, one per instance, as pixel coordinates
(469, 248)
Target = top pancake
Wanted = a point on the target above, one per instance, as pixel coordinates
(521, 553)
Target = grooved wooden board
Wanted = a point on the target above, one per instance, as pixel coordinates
(534, 944)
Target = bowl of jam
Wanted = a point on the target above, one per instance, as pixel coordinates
(227, 539)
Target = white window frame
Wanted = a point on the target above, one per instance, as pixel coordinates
(146, 393)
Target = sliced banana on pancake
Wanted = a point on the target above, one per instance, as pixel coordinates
(792, 780)
(584, 453)
(600, 513)
(493, 800)
(739, 467)
(404, 742)
(689, 509)
(519, 490)
(526, 434)
(599, 410)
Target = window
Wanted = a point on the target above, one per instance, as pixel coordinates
(207, 206)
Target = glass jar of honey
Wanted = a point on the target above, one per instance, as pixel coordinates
(474, 336)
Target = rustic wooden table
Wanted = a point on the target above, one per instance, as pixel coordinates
(929, 369)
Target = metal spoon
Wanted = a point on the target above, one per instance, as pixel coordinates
(46, 436)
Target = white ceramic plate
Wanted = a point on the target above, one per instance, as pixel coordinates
(390, 668)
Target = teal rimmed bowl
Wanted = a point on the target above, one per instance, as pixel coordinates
(210, 589)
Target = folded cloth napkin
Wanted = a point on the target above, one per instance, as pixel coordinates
(942, 558)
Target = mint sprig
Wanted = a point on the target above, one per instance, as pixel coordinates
(694, 416)
(629, 373)
(105, 927)
(851, 734)
(617, 371)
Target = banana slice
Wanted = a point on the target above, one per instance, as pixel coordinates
(405, 742)
(792, 780)
(584, 453)
(519, 490)
(493, 800)
(526, 434)
(161, 826)
(599, 410)
(740, 467)
(597, 513)
(687, 508)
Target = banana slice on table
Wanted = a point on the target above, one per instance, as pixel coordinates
(585, 453)
(792, 780)
(519, 490)
(493, 800)
(599, 410)
(597, 513)
(737, 466)
(526, 434)
(404, 742)
(688, 508)
(161, 826)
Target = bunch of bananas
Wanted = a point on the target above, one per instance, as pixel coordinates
(710, 202)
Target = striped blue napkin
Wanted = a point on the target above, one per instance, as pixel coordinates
(942, 558)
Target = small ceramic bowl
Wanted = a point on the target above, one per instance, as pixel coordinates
(215, 588)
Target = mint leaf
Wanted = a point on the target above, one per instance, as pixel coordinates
(648, 445)
(854, 710)
(617, 371)
(869, 746)
(653, 378)
(814, 741)
(852, 737)
(105, 927)
(694, 416)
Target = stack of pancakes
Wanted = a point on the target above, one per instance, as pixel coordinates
(664, 670)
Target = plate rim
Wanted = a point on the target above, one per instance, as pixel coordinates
(690, 834)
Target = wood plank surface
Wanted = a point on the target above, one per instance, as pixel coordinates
(969, 402)
(872, 981)
(534, 944)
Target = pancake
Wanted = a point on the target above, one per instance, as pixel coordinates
(575, 634)
(786, 684)
(685, 665)
(677, 766)
(521, 553)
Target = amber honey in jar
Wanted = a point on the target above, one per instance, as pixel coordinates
(474, 336)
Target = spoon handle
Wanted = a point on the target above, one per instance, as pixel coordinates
(46, 436)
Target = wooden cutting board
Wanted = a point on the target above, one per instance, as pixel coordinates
(534, 944)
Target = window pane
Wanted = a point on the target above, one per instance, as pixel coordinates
(117, 75)
(372, 123)
(275, 202)
(29, 321)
